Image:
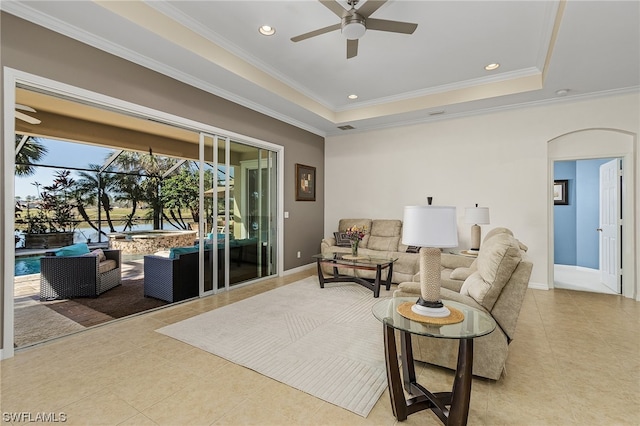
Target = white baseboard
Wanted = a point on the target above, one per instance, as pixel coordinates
(298, 269)
(538, 286)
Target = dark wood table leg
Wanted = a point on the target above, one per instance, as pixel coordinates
(398, 401)
(457, 400)
(408, 367)
(376, 283)
(461, 392)
(389, 276)
(320, 274)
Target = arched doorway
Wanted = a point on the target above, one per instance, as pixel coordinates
(599, 143)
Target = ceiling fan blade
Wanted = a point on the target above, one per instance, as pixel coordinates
(391, 26)
(28, 119)
(369, 7)
(352, 48)
(316, 32)
(334, 6)
(25, 108)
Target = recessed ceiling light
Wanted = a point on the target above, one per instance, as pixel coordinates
(267, 30)
(562, 92)
(492, 67)
(354, 96)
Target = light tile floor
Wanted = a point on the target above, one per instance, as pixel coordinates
(575, 360)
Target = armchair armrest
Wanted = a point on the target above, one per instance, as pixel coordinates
(113, 255)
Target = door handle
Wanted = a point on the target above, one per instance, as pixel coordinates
(599, 229)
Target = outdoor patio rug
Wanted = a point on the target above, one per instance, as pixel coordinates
(124, 300)
(325, 342)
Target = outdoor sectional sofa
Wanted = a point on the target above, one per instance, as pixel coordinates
(174, 277)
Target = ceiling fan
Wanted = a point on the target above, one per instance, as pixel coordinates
(354, 23)
(24, 117)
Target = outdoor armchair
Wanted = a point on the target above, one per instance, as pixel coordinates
(64, 277)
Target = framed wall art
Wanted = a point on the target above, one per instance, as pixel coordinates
(560, 192)
(305, 183)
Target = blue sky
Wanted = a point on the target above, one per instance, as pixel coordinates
(63, 154)
(60, 154)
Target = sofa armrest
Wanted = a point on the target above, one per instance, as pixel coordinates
(328, 241)
(453, 261)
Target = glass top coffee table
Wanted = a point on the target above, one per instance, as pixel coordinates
(475, 324)
(362, 262)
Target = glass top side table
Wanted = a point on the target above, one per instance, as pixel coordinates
(475, 324)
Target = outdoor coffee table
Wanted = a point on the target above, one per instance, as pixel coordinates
(367, 263)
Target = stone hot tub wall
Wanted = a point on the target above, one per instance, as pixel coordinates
(146, 242)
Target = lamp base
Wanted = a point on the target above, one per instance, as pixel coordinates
(430, 309)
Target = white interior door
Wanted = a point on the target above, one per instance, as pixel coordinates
(609, 228)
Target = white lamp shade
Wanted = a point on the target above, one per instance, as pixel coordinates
(430, 226)
(477, 215)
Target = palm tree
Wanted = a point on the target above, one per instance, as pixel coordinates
(94, 186)
(30, 153)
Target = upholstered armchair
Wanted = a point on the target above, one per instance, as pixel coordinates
(83, 275)
(495, 283)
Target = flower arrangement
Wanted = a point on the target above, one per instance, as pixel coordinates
(355, 234)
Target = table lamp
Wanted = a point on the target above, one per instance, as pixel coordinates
(478, 216)
(431, 228)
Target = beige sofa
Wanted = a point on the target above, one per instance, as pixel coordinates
(382, 239)
(495, 283)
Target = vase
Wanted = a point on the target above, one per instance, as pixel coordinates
(354, 247)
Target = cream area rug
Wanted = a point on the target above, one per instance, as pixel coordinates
(325, 342)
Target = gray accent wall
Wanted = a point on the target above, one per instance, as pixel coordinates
(33, 49)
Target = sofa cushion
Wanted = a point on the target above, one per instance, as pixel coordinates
(342, 239)
(386, 227)
(383, 243)
(385, 234)
(106, 266)
(498, 258)
(175, 252)
(73, 250)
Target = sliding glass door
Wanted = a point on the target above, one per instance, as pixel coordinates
(238, 212)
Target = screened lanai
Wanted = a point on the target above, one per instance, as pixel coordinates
(140, 188)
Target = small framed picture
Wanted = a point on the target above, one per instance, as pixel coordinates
(305, 183)
(560, 192)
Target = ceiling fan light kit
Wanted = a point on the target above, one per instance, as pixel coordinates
(353, 23)
(353, 27)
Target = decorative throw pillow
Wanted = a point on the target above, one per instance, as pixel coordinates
(342, 239)
(413, 249)
(73, 250)
(98, 253)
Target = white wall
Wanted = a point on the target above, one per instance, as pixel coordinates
(498, 160)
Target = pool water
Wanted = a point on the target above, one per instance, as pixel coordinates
(26, 265)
